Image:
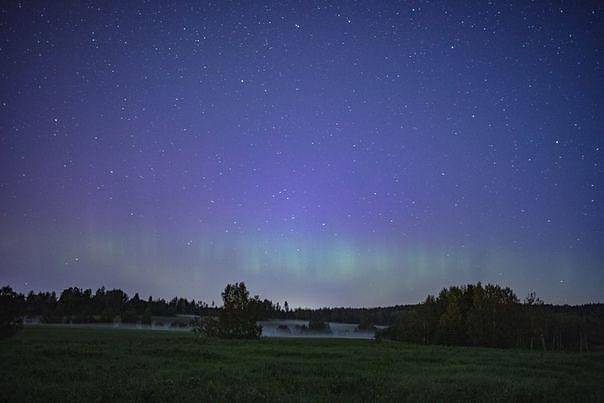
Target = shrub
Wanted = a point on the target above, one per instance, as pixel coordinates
(208, 326)
(317, 325)
(237, 318)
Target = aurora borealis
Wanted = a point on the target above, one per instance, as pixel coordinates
(326, 153)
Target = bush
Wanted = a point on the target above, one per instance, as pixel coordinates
(208, 326)
(317, 325)
(237, 318)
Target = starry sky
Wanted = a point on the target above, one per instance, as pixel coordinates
(354, 153)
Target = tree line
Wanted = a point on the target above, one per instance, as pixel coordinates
(492, 316)
(79, 305)
(76, 305)
(470, 315)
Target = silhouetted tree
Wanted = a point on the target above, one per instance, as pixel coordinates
(237, 318)
(490, 319)
(11, 310)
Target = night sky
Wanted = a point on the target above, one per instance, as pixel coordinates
(326, 153)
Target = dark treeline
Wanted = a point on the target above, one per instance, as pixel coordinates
(77, 305)
(376, 316)
(82, 305)
(472, 315)
(492, 316)
(384, 316)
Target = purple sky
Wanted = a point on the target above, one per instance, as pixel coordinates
(326, 153)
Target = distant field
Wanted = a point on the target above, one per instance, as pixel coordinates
(76, 364)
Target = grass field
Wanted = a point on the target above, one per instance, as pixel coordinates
(66, 364)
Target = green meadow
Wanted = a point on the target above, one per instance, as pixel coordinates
(45, 363)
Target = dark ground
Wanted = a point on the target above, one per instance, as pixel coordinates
(69, 364)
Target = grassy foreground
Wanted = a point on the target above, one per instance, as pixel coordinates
(69, 364)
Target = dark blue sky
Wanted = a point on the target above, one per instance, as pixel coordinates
(327, 153)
